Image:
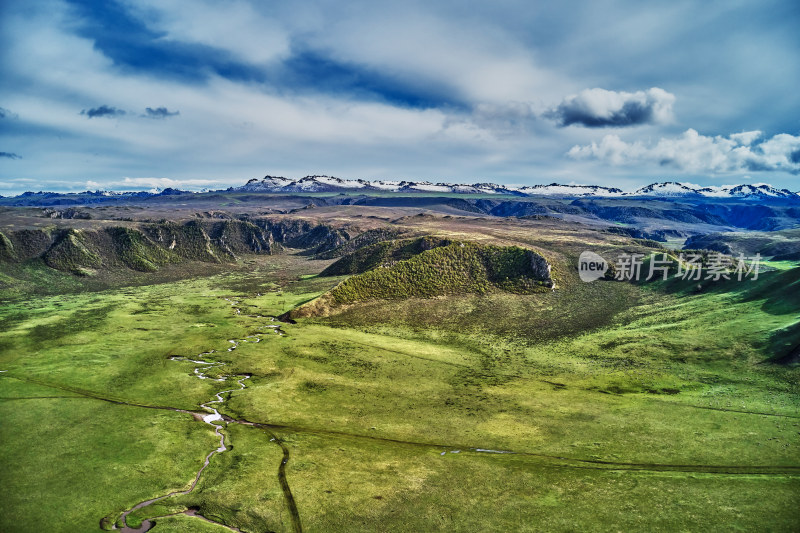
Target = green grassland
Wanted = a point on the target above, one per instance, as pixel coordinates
(617, 406)
(68, 459)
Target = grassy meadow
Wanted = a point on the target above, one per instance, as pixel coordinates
(605, 406)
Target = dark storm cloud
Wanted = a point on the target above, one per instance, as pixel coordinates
(133, 46)
(599, 108)
(308, 69)
(631, 114)
(159, 112)
(103, 111)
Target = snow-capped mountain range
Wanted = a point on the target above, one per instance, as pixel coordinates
(668, 189)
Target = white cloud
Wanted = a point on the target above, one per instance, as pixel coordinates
(152, 183)
(474, 63)
(234, 26)
(161, 183)
(693, 152)
(745, 138)
(490, 122)
(220, 121)
(492, 70)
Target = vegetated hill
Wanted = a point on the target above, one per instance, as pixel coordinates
(780, 293)
(82, 252)
(775, 291)
(138, 252)
(364, 239)
(443, 268)
(319, 239)
(146, 247)
(72, 253)
(382, 254)
(781, 245)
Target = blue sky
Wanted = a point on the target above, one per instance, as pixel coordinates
(204, 94)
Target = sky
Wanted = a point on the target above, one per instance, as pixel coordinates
(194, 94)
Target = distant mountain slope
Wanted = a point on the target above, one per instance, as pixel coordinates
(331, 184)
(777, 244)
(668, 189)
(673, 189)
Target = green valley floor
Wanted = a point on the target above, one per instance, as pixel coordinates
(601, 407)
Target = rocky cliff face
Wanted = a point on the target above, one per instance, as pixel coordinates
(540, 268)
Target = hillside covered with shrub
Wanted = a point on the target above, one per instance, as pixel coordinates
(383, 253)
(430, 267)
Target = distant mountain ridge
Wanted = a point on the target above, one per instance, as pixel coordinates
(667, 189)
(330, 184)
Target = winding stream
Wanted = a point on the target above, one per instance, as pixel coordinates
(212, 419)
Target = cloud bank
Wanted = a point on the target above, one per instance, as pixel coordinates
(600, 108)
(137, 184)
(693, 152)
(435, 90)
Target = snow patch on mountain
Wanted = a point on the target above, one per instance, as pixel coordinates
(667, 189)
